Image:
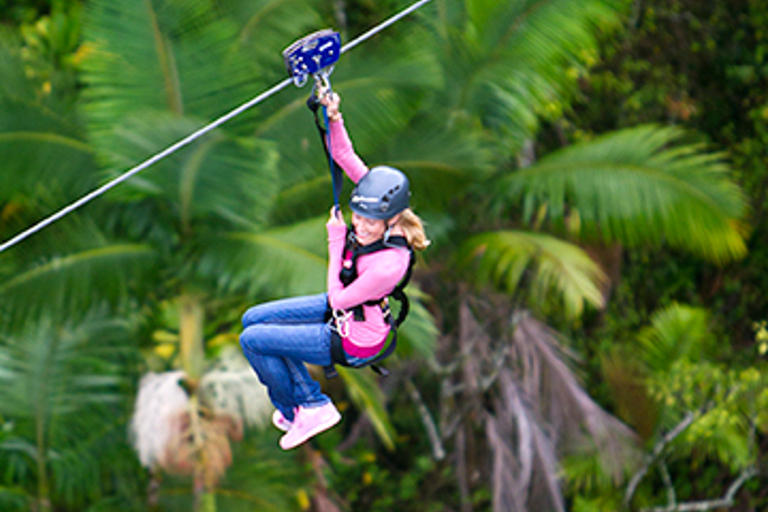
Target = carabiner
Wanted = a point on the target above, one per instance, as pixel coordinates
(341, 321)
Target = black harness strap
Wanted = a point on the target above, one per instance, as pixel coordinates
(348, 275)
(313, 104)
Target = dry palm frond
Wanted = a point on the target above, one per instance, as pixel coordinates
(186, 434)
(232, 388)
(574, 417)
(524, 458)
(200, 443)
(159, 401)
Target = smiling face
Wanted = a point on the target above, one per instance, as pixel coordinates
(368, 230)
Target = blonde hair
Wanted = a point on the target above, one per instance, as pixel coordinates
(413, 228)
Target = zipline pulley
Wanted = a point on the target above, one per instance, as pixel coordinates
(313, 55)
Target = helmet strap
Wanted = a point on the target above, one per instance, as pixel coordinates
(388, 231)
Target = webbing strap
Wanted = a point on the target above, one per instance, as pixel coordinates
(336, 179)
(338, 356)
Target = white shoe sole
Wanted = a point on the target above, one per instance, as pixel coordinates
(288, 443)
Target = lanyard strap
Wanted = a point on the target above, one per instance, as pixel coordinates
(336, 180)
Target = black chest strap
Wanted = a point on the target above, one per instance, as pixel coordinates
(347, 276)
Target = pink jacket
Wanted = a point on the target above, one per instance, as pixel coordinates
(378, 273)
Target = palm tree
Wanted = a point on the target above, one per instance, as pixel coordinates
(157, 72)
(208, 211)
(487, 72)
(508, 63)
(66, 362)
(59, 380)
(453, 100)
(178, 211)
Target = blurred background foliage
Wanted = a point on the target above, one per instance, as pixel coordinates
(589, 329)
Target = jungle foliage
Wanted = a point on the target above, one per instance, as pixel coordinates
(589, 330)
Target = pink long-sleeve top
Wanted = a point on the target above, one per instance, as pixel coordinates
(378, 272)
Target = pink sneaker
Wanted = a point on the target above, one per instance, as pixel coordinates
(308, 422)
(280, 421)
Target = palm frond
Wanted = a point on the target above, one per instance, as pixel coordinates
(275, 489)
(15, 85)
(266, 28)
(678, 333)
(636, 187)
(62, 383)
(547, 380)
(271, 263)
(305, 199)
(506, 257)
(441, 162)
(37, 144)
(34, 157)
(219, 179)
(161, 56)
(367, 395)
(509, 59)
(382, 89)
(94, 459)
(15, 499)
(60, 365)
(67, 285)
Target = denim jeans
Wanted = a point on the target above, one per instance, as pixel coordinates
(278, 338)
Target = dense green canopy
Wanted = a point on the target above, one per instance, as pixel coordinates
(588, 327)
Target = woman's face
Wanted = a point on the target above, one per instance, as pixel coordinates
(367, 230)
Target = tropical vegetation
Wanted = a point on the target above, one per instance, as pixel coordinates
(588, 330)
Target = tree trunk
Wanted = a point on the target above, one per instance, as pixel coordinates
(43, 491)
(192, 350)
(191, 320)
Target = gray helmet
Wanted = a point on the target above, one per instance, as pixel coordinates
(381, 194)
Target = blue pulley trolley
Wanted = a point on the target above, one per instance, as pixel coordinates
(313, 55)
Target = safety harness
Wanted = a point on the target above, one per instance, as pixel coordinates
(352, 250)
(315, 56)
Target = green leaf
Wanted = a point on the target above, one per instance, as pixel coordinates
(54, 369)
(271, 263)
(68, 285)
(678, 333)
(540, 263)
(220, 180)
(506, 60)
(177, 57)
(637, 187)
(365, 392)
(418, 334)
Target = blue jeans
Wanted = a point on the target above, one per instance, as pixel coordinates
(278, 338)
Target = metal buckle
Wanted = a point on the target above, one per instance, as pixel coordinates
(341, 321)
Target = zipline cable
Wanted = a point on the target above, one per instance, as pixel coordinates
(194, 136)
(128, 174)
(381, 26)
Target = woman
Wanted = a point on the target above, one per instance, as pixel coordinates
(279, 337)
